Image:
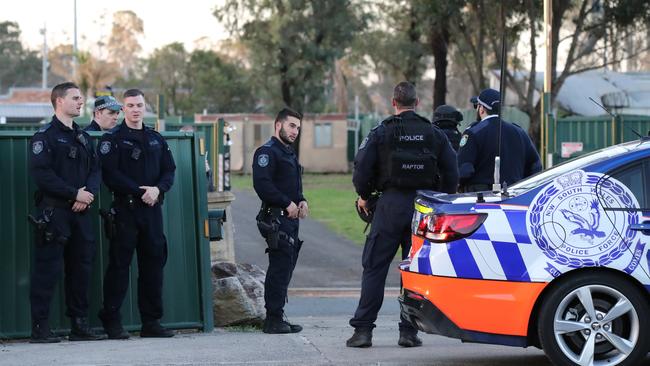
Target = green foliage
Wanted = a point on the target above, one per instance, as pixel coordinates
(18, 66)
(218, 86)
(197, 81)
(167, 71)
(293, 45)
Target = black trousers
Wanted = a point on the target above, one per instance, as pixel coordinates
(390, 230)
(138, 228)
(70, 246)
(282, 262)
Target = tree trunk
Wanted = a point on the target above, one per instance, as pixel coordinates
(412, 70)
(439, 49)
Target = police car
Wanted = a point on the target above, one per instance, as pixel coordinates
(558, 261)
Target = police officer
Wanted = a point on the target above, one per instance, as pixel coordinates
(107, 109)
(64, 167)
(138, 168)
(447, 118)
(278, 183)
(480, 144)
(404, 153)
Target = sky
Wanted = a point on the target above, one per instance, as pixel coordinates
(183, 21)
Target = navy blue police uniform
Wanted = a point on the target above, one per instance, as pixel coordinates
(278, 182)
(131, 158)
(93, 126)
(404, 153)
(62, 161)
(479, 146)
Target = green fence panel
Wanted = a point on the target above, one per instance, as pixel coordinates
(187, 294)
(20, 126)
(595, 133)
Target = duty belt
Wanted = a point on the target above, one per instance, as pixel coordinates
(273, 211)
(56, 202)
(127, 200)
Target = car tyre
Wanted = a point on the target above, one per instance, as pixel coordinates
(594, 318)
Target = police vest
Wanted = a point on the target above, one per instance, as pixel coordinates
(407, 156)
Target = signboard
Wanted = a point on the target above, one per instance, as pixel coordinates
(569, 148)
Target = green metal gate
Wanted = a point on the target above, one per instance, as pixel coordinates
(187, 292)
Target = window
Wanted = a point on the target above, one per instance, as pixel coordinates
(323, 135)
(261, 134)
(633, 177)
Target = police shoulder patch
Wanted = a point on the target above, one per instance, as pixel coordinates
(263, 160)
(37, 147)
(463, 140)
(105, 147)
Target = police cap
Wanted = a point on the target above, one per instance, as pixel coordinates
(488, 98)
(107, 101)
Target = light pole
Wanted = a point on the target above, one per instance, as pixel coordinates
(545, 128)
(74, 44)
(44, 57)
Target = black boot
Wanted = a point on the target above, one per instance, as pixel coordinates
(361, 338)
(409, 339)
(41, 333)
(278, 325)
(153, 329)
(81, 331)
(113, 328)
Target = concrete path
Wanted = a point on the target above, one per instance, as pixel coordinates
(326, 259)
(320, 343)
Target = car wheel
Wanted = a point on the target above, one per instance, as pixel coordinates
(594, 319)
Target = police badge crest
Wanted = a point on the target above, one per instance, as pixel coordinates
(463, 140)
(263, 160)
(569, 222)
(105, 147)
(37, 147)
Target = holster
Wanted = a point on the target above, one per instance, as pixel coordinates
(269, 227)
(43, 231)
(110, 226)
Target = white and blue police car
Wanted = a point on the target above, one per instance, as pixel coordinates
(558, 261)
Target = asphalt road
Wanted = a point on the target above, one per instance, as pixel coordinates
(326, 259)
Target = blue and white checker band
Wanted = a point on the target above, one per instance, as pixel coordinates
(500, 250)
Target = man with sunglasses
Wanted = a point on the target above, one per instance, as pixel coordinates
(481, 142)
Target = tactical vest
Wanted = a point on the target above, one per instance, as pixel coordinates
(408, 159)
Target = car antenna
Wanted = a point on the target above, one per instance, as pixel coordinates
(613, 115)
(496, 187)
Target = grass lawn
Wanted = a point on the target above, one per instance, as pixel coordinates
(331, 201)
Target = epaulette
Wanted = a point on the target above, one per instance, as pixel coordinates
(45, 128)
(516, 125)
(269, 143)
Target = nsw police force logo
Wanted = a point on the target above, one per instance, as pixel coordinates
(568, 221)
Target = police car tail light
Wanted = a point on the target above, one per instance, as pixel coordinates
(444, 228)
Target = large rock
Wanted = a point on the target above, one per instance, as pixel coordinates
(238, 297)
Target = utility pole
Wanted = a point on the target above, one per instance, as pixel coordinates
(44, 57)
